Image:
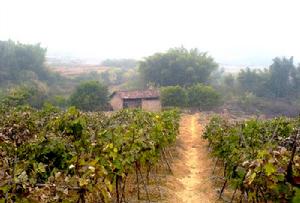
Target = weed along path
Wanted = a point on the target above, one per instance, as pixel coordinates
(190, 182)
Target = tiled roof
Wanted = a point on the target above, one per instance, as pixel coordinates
(138, 94)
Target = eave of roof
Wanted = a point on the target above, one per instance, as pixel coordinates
(137, 94)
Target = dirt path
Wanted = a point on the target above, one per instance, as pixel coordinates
(190, 182)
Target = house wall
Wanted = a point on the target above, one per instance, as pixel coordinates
(151, 105)
(116, 102)
(132, 103)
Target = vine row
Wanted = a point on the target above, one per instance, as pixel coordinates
(260, 158)
(51, 155)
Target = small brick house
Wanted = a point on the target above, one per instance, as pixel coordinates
(148, 100)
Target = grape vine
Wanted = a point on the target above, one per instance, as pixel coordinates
(51, 155)
(260, 158)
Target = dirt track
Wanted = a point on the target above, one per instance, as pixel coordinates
(191, 182)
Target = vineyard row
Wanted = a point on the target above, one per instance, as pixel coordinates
(51, 155)
(260, 159)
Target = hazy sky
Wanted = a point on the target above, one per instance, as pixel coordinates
(232, 31)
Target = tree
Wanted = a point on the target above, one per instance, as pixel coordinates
(280, 76)
(229, 80)
(203, 97)
(178, 66)
(19, 60)
(174, 96)
(250, 80)
(90, 96)
(296, 79)
(280, 80)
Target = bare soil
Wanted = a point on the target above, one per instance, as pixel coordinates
(190, 182)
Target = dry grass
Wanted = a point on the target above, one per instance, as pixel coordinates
(78, 70)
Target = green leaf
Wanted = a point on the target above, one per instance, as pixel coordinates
(296, 198)
(269, 169)
(4, 188)
(41, 168)
(281, 177)
(117, 164)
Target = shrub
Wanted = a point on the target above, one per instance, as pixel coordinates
(174, 96)
(90, 96)
(203, 97)
(58, 101)
(33, 95)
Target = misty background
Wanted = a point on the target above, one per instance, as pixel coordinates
(236, 33)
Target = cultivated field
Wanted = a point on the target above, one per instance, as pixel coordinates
(73, 71)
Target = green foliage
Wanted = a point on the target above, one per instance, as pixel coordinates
(32, 95)
(261, 157)
(296, 198)
(18, 60)
(203, 97)
(280, 76)
(59, 101)
(90, 96)
(173, 96)
(252, 81)
(280, 80)
(178, 66)
(53, 156)
(22, 68)
(197, 96)
(272, 91)
(295, 74)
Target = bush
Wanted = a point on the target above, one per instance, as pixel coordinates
(32, 95)
(203, 97)
(90, 96)
(174, 96)
(58, 101)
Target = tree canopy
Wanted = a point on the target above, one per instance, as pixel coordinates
(90, 96)
(281, 76)
(178, 66)
(280, 80)
(251, 80)
(19, 61)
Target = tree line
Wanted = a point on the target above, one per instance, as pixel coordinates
(186, 78)
(281, 79)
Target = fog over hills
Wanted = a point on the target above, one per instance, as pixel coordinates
(230, 63)
(243, 33)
